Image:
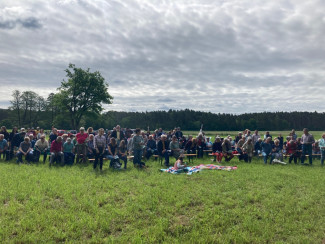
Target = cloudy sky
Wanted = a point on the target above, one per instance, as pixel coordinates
(231, 56)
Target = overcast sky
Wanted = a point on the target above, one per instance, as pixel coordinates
(228, 56)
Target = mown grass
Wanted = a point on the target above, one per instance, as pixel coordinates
(255, 204)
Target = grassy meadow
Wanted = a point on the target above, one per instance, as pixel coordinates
(257, 203)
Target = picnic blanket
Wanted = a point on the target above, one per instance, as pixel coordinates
(198, 168)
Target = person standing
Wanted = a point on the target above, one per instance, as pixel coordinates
(138, 145)
(100, 146)
(307, 141)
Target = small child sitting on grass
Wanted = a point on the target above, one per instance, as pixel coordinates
(180, 165)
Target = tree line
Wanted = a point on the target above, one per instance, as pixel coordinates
(41, 112)
(79, 99)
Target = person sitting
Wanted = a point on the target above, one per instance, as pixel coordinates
(4, 147)
(41, 148)
(32, 140)
(178, 133)
(200, 145)
(226, 150)
(122, 153)
(68, 151)
(276, 151)
(322, 148)
(118, 134)
(91, 151)
(137, 147)
(208, 144)
(41, 133)
(5, 133)
(163, 149)
(180, 165)
(316, 150)
(248, 150)
(99, 145)
(90, 131)
(239, 149)
(81, 146)
(255, 137)
(217, 150)
(64, 138)
(291, 150)
(56, 151)
(174, 147)
(266, 149)
(53, 136)
(151, 148)
(25, 150)
(258, 147)
(17, 140)
(112, 153)
(188, 144)
(267, 134)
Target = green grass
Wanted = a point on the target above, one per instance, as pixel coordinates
(255, 204)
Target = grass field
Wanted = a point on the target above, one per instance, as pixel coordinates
(257, 203)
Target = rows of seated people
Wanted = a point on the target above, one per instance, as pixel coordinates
(246, 145)
(118, 143)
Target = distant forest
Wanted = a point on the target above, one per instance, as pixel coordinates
(186, 119)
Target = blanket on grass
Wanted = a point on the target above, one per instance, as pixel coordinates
(196, 169)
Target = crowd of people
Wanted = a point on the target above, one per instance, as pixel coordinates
(119, 145)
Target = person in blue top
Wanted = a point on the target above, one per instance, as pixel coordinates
(266, 149)
(68, 149)
(3, 147)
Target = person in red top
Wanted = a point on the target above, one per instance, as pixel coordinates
(81, 146)
(56, 151)
(292, 151)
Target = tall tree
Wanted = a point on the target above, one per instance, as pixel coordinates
(29, 99)
(16, 104)
(83, 92)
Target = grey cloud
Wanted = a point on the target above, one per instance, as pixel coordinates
(221, 56)
(28, 23)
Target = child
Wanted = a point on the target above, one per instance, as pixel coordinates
(180, 164)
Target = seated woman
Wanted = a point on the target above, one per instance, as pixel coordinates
(68, 149)
(266, 149)
(122, 152)
(316, 150)
(239, 148)
(112, 153)
(91, 151)
(217, 149)
(200, 145)
(180, 165)
(276, 151)
(248, 149)
(174, 147)
(188, 144)
(226, 150)
(291, 151)
(208, 144)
